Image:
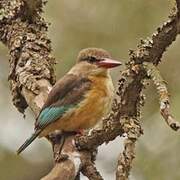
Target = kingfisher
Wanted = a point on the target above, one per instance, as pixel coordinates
(79, 99)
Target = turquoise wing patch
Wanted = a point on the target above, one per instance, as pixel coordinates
(51, 114)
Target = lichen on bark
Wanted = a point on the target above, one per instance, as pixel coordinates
(24, 32)
(29, 48)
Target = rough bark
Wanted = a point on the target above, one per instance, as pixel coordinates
(24, 32)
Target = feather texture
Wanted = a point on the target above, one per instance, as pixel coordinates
(64, 96)
(79, 99)
(28, 141)
(51, 114)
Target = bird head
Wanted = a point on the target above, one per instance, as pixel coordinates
(96, 61)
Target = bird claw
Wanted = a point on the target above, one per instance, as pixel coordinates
(80, 132)
(75, 142)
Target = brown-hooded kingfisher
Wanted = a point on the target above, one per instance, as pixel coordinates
(80, 99)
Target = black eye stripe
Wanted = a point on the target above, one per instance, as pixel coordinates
(90, 59)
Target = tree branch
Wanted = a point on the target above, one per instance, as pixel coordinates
(124, 166)
(131, 81)
(66, 168)
(130, 88)
(164, 101)
(89, 169)
(32, 75)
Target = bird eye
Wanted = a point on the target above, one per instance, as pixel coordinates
(92, 59)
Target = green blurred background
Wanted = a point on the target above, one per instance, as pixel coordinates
(116, 26)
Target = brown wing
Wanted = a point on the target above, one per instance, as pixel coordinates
(67, 91)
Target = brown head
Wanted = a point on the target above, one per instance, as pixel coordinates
(94, 61)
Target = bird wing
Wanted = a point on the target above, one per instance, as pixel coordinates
(67, 93)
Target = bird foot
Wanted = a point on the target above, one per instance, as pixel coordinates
(80, 132)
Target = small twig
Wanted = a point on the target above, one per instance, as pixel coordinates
(125, 160)
(89, 169)
(134, 131)
(164, 101)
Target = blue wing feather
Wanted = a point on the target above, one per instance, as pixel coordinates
(51, 114)
(47, 116)
(66, 94)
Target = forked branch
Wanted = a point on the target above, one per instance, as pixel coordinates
(32, 76)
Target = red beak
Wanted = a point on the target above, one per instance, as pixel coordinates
(108, 63)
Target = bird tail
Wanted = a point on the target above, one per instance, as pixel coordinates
(28, 141)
